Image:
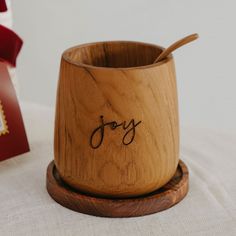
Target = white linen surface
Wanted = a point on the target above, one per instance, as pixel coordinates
(209, 208)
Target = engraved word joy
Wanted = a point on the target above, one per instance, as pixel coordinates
(129, 131)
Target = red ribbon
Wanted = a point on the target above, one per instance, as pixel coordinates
(3, 6)
(10, 45)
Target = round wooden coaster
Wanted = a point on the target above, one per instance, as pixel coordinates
(167, 196)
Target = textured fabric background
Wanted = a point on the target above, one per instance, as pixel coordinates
(208, 209)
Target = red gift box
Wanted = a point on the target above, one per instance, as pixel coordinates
(13, 139)
(3, 6)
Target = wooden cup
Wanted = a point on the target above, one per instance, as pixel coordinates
(116, 128)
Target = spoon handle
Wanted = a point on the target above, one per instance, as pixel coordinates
(176, 45)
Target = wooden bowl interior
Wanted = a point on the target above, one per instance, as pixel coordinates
(116, 54)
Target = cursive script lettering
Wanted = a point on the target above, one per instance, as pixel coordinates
(100, 130)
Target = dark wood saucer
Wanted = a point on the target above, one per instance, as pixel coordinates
(167, 196)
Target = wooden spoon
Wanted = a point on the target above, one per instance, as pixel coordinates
(176, 45)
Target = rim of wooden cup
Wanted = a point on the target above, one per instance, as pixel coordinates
(66, 55)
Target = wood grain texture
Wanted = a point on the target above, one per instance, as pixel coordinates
(118, 81)
(170, 194)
